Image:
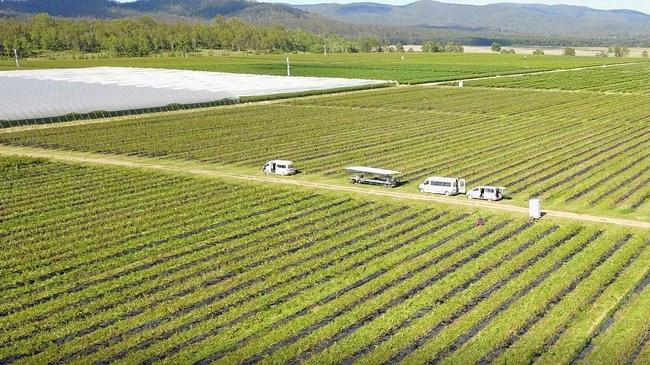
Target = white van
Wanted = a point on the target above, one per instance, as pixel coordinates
(279, 167)
(493, 193)
(443, 185)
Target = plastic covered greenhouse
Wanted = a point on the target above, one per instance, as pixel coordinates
(66, 94)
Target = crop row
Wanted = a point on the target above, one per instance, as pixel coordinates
(622, 79)
(250, 273)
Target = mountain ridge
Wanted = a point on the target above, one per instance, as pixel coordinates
(538, 19)
(414, 22)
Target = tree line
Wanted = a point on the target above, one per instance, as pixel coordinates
(146, 36)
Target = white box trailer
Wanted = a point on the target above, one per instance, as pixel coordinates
(534, 209)
(443, 185)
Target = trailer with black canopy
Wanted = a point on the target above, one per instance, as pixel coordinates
(373, 176)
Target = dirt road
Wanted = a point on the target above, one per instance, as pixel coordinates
(170, 166)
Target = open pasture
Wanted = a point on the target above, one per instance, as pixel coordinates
(577, 152)
(414, 68)
(103, 265)
(621, 79)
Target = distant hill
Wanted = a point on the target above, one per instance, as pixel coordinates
(204, 10)
(196, 9)
(412, 23)
(505, 17)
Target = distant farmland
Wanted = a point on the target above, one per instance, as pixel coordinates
(629, 79)
(414, 68)
(185, 270)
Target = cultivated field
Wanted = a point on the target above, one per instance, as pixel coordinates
(628, 79)
(105, 265)
(414, 68)
(586, 153)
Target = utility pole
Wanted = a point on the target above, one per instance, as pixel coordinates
(288, 68)
(325, 48)
(16, 56)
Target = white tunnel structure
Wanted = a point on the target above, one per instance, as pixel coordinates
(38, 94)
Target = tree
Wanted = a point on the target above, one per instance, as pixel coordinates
(399, 47)
(496, 47)
(454, 47)
(619, 51)
(626, 51)
(368, 44)
(602, 54)
(430, 47)
(644, 54)
(538, 52)
(569, 52)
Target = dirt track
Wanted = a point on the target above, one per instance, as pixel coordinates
(98, 159)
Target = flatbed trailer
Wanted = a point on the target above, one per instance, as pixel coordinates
(373, 176)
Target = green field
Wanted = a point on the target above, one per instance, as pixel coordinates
(131, 265)
(576, 152)
(414, 68)
(628, 79)
(105, 265)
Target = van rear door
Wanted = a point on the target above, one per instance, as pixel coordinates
(461, 186)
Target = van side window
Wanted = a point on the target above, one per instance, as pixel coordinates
(281, 167)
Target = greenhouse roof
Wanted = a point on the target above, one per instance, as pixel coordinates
(30, 94)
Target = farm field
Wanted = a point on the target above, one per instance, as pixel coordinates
(576, 152)
(414, 68)
(628, 79)
(106, 265)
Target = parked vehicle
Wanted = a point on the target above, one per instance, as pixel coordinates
(493, 193)
(443, 185)
(373, 176)
(279, 167)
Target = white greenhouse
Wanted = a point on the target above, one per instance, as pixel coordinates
(101, 91)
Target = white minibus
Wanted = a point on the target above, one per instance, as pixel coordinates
(443, 185)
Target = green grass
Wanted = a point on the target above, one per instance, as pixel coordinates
(414, 68)
(576, 152)
(108, 264)
(627, 79)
